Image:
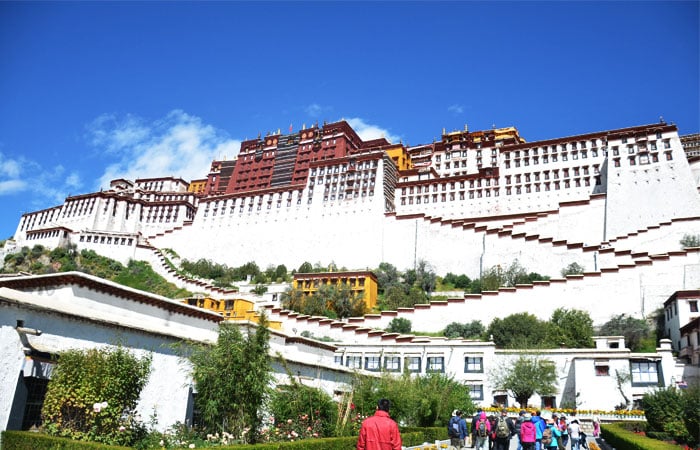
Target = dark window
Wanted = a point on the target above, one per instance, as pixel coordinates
(392, 364)
(412, 364)
(476, 391)
(36, 392)
(473, 364)
(435, 364)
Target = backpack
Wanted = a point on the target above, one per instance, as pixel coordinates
(547, 437)
(502, 430)
(481, 428)
(453, 427)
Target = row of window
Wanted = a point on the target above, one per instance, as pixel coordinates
(45, 234)
(518, 189)
(39, 219)
(545, 159)
(479, 182)
(643, 373)
(412, 364)
(577, 171)
(642, 159)
(342, 168)
(108, 240)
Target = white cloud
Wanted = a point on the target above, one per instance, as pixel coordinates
(315, 110)
(48, 185)
(12, 186)
(178, 145)
(368, 131)
(455, 109)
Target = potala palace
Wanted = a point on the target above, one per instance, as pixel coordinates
(617, 202)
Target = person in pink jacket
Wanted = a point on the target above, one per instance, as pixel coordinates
(528, 433)
(379, 432)
(483, 430)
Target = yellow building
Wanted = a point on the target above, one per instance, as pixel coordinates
(400, 157)
(197, 186)
(231, 309)
(362, 283)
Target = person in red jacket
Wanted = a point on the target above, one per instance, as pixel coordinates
(379, 432)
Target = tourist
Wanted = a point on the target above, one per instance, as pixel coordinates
(564, 428)
(596, 426)
(503, 431)
(453, 431)
(463, 433)
(551, 435)
(518, 423)
(539, 428)
(483, 430)
(492, 434)
(575, 434)
(528, 433)
(379, 432)
(475, 419)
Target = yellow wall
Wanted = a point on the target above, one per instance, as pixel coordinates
(400, 157)
(232, 309)
(360, 283)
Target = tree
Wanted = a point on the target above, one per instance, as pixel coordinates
(664, 409)
(395, 297)
(622, 377)
(280, 272)
(471, 330)
(92, 393)
(387, 277)
(417, 401)
(305, 267)
(303, 405)
(233, 378)
(528, 375)
(259, 289)
(690, 240)
(316, 304)
(399, 325)
(422, 277)
(571, 327)
(635, 331)
(521, 330)
(344, 302)
(293, 299)
(510, 276)
(572, 269)
(457, 281)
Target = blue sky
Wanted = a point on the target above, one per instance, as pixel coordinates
(95, 91)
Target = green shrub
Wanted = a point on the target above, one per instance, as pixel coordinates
(306, 407)
(663, 409)
(93, 393)
(622, 439)
(25, 440)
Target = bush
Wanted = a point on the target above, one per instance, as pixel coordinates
(399, 325)
(620, 438)
(25, 440)
(665, 412)
(93, 393)
(301, 411)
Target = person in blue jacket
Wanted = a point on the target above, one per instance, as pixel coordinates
(556, 435)
(463, 431)
(539, 428)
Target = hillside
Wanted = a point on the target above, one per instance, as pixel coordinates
(136, 274)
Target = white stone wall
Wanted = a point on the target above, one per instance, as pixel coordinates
(166, 392)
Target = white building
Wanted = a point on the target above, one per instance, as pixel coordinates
(42, 315)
